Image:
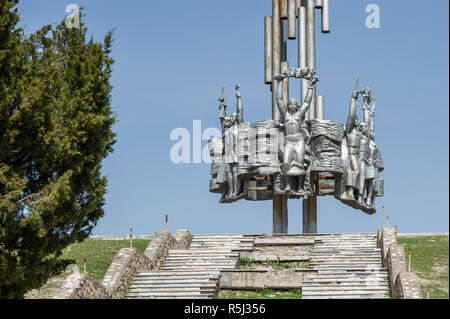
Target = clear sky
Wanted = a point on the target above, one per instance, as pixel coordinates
(172, 57)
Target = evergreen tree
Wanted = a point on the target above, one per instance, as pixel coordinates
(55, 130)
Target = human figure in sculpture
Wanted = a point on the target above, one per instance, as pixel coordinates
(230, 137)
(367, 97)
(372, 170)
(294, 115)
(353, 138)
(367, 171)
(363, 157)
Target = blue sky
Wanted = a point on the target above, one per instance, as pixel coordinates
(172, 57)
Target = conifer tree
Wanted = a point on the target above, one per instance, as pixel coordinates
(55, 129)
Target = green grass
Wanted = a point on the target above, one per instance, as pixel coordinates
(99, 255)
(295, 265)
(260, 294)
(244, 261)
(429, 260)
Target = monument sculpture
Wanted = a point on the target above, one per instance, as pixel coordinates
(297, 153)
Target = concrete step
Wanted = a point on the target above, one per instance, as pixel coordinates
(343, 258)
(368, 288)
(360, 264)
(152, 296)
(362, 270)
(170, 295)
(231, 247)
(200, 264)
(174, 285)
(343, 267)
(372, 296)
(345, 250)
(345, 283)
(338, 257)
(139, 279)
(201, 261)
(360, 293)
(168, 290)
(223, 241)
(203, 255)
(178, 274)
(320, 280)
(349, 253)
(198, 268)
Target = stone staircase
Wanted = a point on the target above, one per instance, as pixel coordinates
(349, 267)
(193, 272)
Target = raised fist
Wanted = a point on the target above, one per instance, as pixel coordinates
(367, 94)
(238, 94)
(313, 81)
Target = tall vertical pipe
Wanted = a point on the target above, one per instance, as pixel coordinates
(279, 202)
(276, 54)
(284, 40)
(319, 4)
(267, 50)
(283, 9)
(320, 108)
(310, 203)
(326, 16)
(284, 68)
(292, 19)
(311, 47)
(302, 49)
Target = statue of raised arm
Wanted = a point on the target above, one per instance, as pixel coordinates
(372, 169)
(229, 138)
(239, 107)
(223, 109)
(367, 97)
(225, 121)
(353, 139)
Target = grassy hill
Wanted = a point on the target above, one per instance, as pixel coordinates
(429, 260)
(99, 255)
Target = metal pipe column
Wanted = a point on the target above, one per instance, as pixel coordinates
(302, 50)
(279, 208)
(310, 204)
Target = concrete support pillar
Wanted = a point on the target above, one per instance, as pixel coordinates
(310, 215)
(280, 214)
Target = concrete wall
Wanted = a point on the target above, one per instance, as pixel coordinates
(126, 263)
(79, 286)
(124, 266)
(403, 284)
